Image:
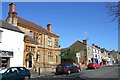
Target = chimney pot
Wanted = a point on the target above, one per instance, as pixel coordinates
(14, 14)
(85, 41)
(93, 44)
(12, 7)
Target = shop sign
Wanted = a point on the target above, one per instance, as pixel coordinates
(6, 53)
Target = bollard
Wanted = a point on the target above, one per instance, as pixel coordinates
(39, 71)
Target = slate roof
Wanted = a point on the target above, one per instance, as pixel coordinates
(32, 25)
(6, 25)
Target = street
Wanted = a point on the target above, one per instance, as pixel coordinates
(107, 72)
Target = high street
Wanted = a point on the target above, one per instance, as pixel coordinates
(103, 73)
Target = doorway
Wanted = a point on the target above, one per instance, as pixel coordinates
(29, 57)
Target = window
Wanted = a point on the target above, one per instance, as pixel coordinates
(96, 56)
(31, 34)
(57, 59)
(30, 48)
(49, 53)
(36, 37)
(0, 36)
(55, 42)
(50, 58)
(49, 41)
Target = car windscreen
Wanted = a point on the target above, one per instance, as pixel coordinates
(3, 70)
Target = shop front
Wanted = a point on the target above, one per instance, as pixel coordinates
(5, 58)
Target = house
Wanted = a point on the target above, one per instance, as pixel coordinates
(11, 45)
(77, 47)
(115, 55)
(96, 53)
(89, 54)
(41, 46)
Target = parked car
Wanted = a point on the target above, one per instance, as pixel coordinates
(93, 65)
(14, 73)
(67, 68)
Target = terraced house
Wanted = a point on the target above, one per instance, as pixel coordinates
(41, 46)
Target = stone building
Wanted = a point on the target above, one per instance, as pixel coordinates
(41, 46)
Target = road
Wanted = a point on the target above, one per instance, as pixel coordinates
(103, 73)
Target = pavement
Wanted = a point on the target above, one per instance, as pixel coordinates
(35, 74)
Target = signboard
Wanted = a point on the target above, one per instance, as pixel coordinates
(6, 53)
(62, 54)
(78, 54)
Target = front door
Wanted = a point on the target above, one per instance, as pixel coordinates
(29, 60)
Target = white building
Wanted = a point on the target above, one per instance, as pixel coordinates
(11, 45)
(96, 54)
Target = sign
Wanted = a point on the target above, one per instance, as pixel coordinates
(6, 53)
(78, 54)
(62, 54)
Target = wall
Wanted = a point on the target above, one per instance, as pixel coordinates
(13, 41)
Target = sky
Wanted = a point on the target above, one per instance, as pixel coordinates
(72, 21)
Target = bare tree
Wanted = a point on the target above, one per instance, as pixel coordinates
(114, 10)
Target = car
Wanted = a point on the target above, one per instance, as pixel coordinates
(14, 73)
(93, 65)
(67, 68)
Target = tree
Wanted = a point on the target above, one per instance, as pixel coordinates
(114, 10)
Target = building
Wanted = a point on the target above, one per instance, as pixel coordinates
(11, 45)
(104, 56)
(89, 54)
(77, 48)
(115, 55)
(41, 46)
(96, 54)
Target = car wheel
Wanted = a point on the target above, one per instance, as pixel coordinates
(68, 71)
(79, 70)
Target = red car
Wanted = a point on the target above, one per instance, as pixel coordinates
(93, 65)
(67, 68)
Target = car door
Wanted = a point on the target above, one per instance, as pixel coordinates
(72, 68)
(22, 72)
(10, 74)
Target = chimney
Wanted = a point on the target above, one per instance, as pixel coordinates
(85, 41)
(12, 15)
(93, 44)
(14, 19)
(49, 27)
(12, 7)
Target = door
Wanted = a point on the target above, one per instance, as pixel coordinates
(29, 60)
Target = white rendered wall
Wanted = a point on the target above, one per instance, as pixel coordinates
(13, 41)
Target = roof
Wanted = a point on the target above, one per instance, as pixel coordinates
(8, 26)
(32, 25)
(29, 39)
